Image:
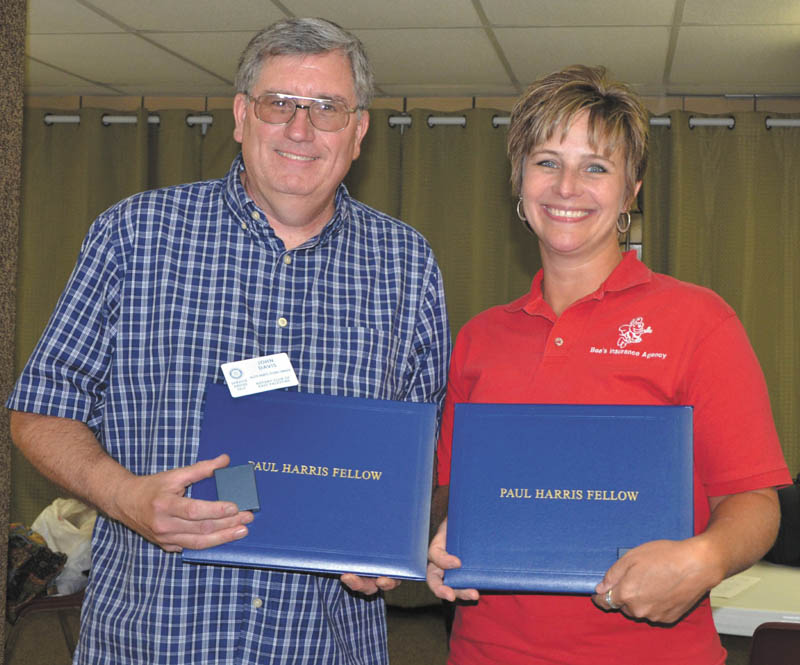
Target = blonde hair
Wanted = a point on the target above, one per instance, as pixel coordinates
(617, 118)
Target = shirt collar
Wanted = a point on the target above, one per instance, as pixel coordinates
(628, 273)
(244, 206)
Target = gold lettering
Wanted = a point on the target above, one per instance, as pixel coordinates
(514, 493)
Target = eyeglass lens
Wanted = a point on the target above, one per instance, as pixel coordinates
(328, 116)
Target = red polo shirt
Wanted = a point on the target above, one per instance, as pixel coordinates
(641, 338)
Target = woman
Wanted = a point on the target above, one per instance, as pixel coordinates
(577, 144)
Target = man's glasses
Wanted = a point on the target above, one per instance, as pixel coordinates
(327, 115)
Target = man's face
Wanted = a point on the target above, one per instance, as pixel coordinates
(295, 162)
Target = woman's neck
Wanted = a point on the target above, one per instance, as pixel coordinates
(567, 280)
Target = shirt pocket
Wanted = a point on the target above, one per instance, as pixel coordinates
(355, 361)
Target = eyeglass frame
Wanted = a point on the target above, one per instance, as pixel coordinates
(307, 107)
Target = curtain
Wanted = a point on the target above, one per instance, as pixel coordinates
(722, 209)
(716, 214)
(451, 183)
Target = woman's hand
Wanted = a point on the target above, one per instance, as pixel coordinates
(439, 561)
(663, 580)
(368, 585)
(659, 581)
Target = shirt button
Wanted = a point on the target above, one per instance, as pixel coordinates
(255, 214)
(244, 226)
(257, 602)
(559, 341)
(287, 259)
(282, 322)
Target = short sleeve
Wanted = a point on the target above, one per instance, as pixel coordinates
(66, 373)
(736, 444)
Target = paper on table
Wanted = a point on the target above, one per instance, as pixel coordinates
(733, 586)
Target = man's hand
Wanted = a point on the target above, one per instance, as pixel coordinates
(438, 561)
(156, 507)
(368, 585)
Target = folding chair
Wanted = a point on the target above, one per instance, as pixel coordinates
(776, 643)
(61, 606)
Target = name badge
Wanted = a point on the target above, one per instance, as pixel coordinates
(257, 375)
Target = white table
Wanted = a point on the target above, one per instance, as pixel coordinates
(764, 592)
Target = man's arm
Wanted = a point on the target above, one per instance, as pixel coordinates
(66, 452)
(662, 580)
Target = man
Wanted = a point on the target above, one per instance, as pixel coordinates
(275, 257)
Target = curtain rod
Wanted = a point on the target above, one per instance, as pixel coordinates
(107, 119)
(403, 121)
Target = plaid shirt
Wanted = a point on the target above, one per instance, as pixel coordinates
(169, 285)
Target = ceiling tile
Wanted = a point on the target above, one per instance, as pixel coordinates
(450, 90)
(407, 14)
(177, 89)
(433, 57)
(218, 52)
(737, 59)
(50, 81)
(191, 15)
(118, 60)
(578, 12)
(633, 55)
(65, 16)
(741, 12)
(421, 47)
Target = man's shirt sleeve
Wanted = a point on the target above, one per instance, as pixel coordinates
(66, 373)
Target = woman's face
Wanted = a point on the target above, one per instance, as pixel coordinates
(573, 194)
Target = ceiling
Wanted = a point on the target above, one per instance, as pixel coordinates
(422, 48)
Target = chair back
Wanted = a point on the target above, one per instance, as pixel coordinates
(776, 643)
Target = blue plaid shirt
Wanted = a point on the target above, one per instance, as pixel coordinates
(169, 285)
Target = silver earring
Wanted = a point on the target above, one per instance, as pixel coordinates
(521, 212)
(622, 229)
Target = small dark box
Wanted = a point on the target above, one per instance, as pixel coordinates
(238, 484)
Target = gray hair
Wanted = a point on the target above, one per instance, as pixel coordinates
(300, 36)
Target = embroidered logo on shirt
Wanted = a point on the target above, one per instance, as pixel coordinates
(631, 333)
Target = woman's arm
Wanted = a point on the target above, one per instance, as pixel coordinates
(663, 580)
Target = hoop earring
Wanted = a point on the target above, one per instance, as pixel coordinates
(624, 228)
(521, 212)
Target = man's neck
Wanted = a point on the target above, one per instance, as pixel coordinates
(294, 219)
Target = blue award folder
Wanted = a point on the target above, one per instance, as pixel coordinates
(547, 497)
(343, 483)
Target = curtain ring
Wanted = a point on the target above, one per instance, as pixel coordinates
(624, 228)
(521, 213)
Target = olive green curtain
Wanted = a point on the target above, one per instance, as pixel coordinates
(451, 183)
(722, 209)
(71, 173)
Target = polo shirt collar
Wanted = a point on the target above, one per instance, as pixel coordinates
(629, 273)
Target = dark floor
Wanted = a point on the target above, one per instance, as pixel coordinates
(416, 637)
